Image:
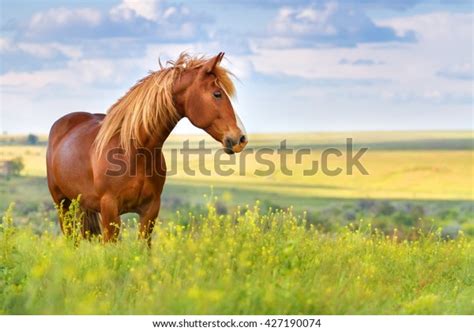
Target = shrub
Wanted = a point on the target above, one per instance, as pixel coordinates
(32, 139)
(13, 167)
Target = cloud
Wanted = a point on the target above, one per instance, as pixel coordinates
(65, 17)
(314, 57)
(97, 72)
(230, 42)
(129, 9)
(360, 62)
(40, 50)
(30, 56)
(144, 20)
(329, 23)
(5, 45)
(399, 5)
(150, 10)
(36, 79)
(463, 71)
(388, 4)
(51, 38)
(64, 20)
(404, 72)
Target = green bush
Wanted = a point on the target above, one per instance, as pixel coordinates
(32, 139)
(13, 167)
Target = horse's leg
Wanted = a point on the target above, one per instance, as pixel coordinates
(110, 218)
(147, 220)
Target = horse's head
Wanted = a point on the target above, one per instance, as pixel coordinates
(205, 101)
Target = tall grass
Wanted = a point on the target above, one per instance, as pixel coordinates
(251, 262)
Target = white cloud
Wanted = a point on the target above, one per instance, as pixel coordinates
(75, 74)
(128, 9)
(141, 20)
(109, 72)
(152, 10)
(40, 50)
(463, 71)
(307, 20)
(88, 61)
(49, 50)
(329, 22)
(404, 71)
(5, 45)
(57, 17)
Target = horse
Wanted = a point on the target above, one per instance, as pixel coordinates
(79, 149)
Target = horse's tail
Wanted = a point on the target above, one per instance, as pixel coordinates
(91, 224)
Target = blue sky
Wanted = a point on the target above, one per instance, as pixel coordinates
(318, 65)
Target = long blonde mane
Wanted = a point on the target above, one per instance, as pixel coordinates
(148, 106)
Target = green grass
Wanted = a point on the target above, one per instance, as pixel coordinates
(223, 259)
(250, 262)
(33, 205)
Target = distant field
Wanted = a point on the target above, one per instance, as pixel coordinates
(401, 171)
(438, 179)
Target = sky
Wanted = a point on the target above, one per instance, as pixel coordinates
(320, 65)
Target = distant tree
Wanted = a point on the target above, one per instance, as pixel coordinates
(13, 167)
(32, 139)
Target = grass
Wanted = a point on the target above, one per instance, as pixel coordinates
(33, 205)
(218, 258)
(252, 262)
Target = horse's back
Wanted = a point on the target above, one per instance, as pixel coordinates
(66, 126)
(66, 123)
(68, 156)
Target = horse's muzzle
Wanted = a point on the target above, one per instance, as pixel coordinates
(232, 146)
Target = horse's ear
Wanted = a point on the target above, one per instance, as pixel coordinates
(210, 65)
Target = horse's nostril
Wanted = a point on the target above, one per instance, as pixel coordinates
(243, 139)
(228, 143)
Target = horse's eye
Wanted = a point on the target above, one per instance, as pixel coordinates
(217, 94)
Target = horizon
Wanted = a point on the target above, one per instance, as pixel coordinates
(200, 133)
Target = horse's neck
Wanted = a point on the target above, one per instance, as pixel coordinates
(179, 89)
(157, 140)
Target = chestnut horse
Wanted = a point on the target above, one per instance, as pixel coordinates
(78, 156)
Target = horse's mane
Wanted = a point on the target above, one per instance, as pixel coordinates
(148, 105)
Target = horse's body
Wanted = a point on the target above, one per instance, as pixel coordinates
(79, 159)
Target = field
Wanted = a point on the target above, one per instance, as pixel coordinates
(395, 241)
(248, 263)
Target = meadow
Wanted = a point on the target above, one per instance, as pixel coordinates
(396, 241)
(245, 263)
